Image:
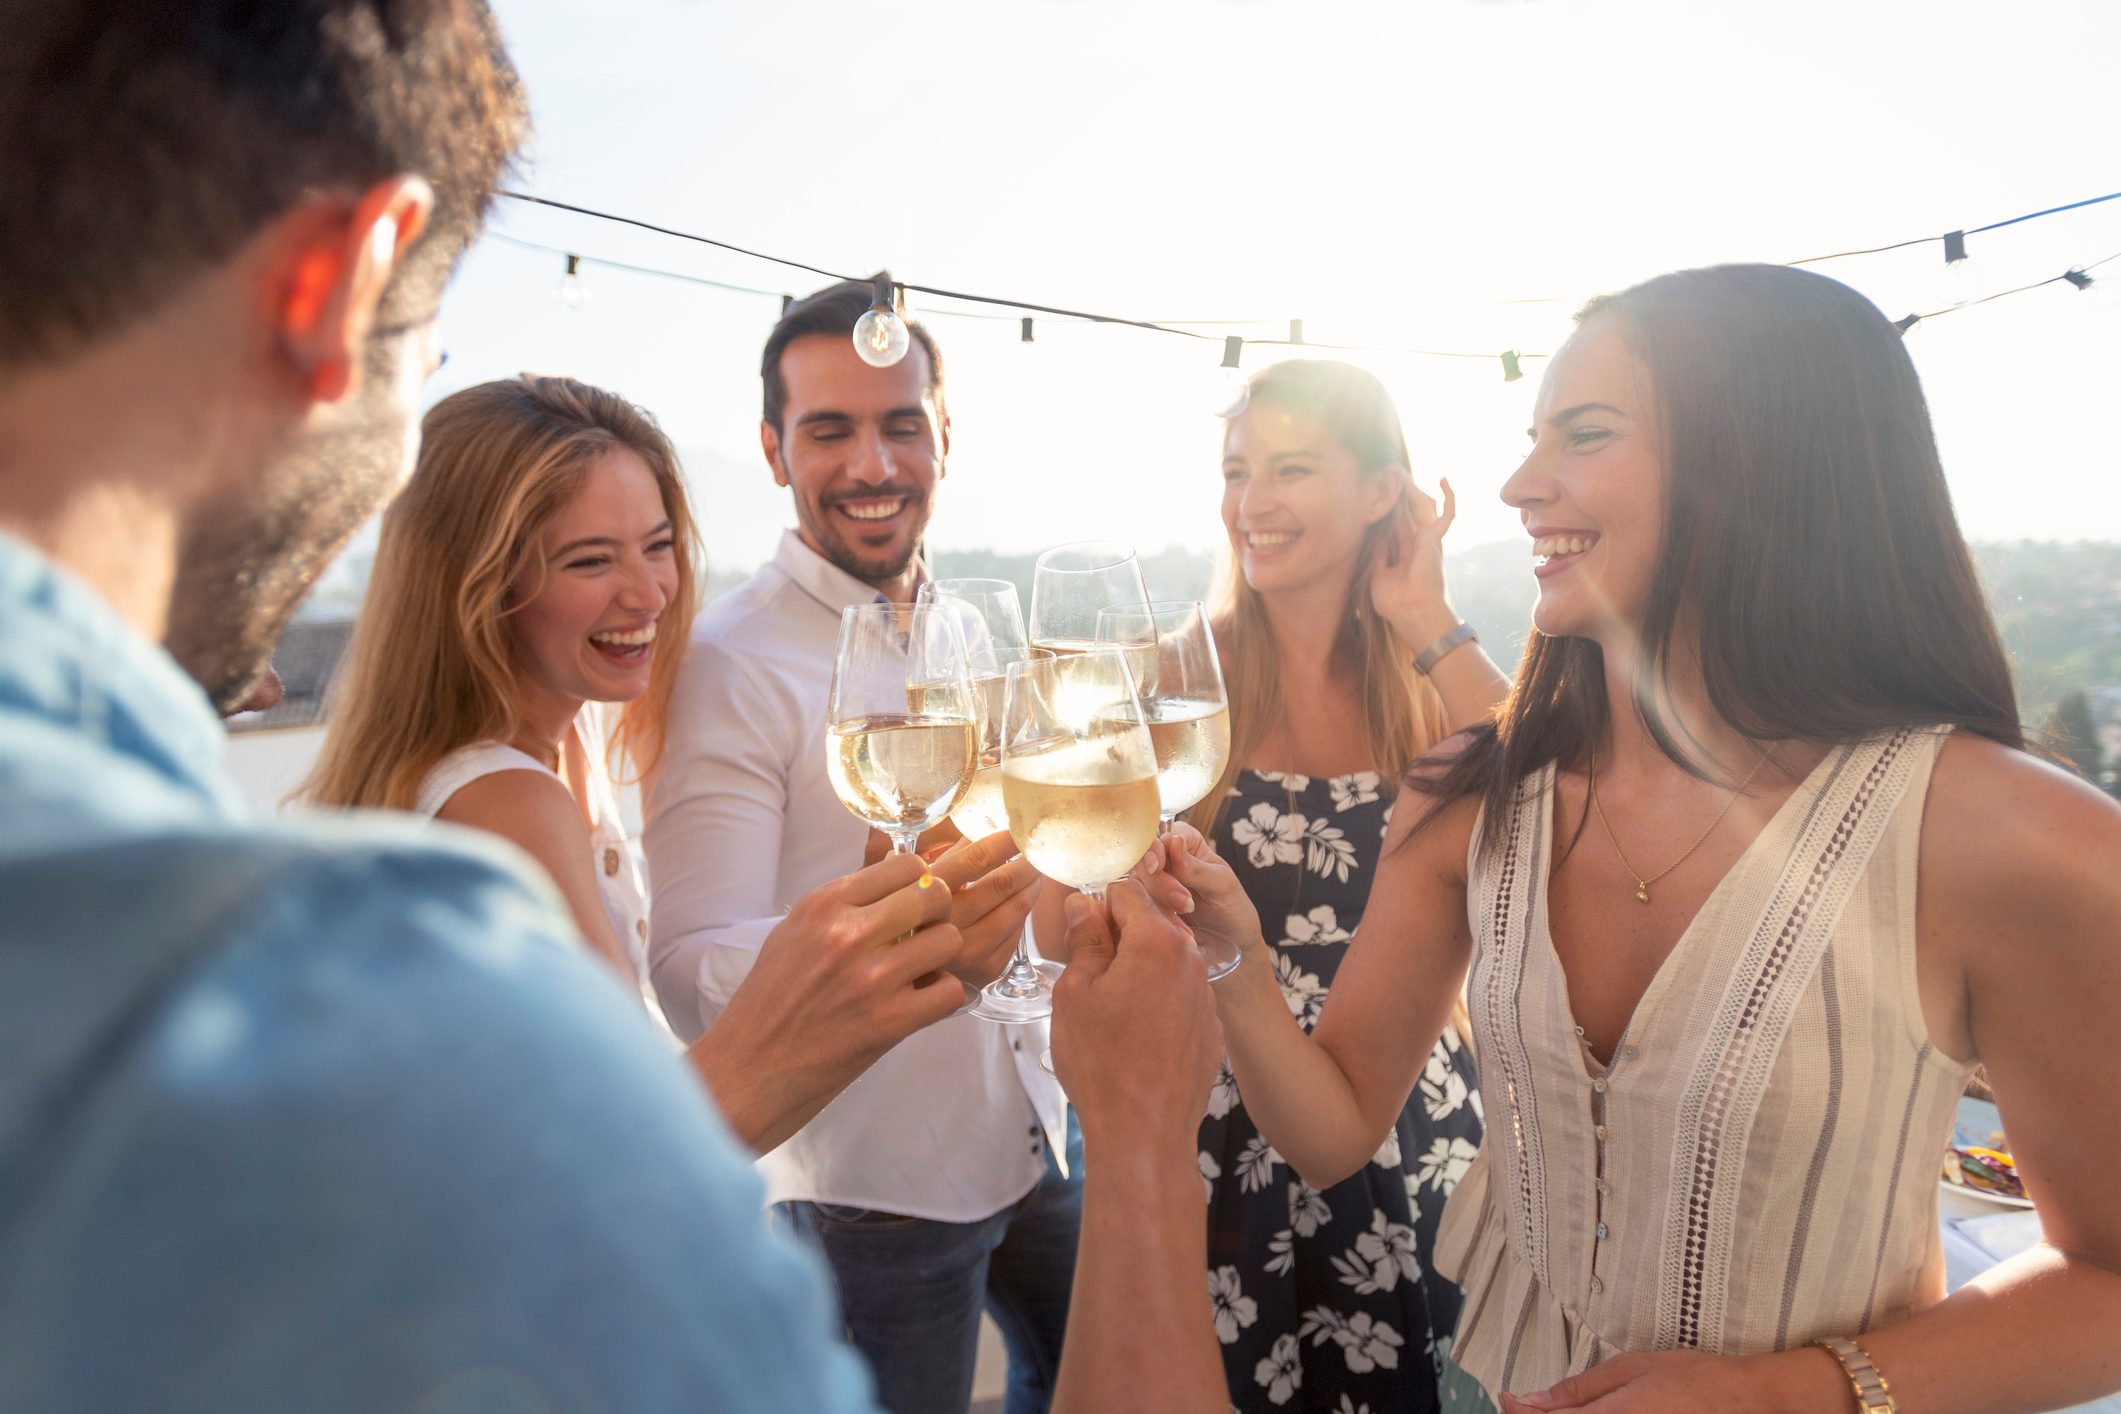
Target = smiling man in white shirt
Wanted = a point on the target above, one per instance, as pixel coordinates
(942, 1179)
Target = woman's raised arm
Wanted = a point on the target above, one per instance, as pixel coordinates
(1325, 1101)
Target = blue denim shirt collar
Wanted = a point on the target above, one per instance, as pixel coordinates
(68, 658)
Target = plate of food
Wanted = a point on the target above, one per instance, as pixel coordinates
(1978, 1161)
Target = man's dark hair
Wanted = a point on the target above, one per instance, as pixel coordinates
(142, 144)
(834, 310)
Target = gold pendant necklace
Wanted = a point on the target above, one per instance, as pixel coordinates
(1642, 885)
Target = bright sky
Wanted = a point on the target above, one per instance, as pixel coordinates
(1387, 172)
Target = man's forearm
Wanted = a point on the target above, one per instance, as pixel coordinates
(1140, 1334)
(764, 1095)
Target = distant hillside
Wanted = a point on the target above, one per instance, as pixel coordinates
(2058, 605)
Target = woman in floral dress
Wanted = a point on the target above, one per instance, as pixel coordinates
(1325, 1300)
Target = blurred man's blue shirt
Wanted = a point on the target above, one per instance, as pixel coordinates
(332, 1116)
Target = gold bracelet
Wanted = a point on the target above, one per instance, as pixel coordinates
(1873, 1395)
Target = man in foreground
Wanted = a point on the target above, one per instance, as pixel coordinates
(336, 1118)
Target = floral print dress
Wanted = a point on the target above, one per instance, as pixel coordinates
(1324, 1300)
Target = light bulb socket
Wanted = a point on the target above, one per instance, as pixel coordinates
(884, 292)
(574, 267)
(2079, 279)
(1512, 368)
(1296, 331)
(787, 303)
(1027, 329)
(1954, 247)
(1233, 350)
(1906, 322)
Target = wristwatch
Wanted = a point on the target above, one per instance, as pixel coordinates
(1872, 1395)
(1430, 656)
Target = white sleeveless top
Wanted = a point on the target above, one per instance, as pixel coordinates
(616, 857)
(1758, 1166)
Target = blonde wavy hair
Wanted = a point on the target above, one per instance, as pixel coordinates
(1403, 714)
(432, 666)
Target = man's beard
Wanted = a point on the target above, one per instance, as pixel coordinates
(249, 559)
(868, 566)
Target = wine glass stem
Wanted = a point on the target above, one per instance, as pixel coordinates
(905, 843)
(1021, 979)
(1163, 824)
(1096, 891)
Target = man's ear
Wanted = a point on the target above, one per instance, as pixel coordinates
(942, 460)
(339, 261)
(770, 444)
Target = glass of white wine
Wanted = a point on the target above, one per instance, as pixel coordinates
(1070, 583)
(902, 733)
(993, 628)
(1187, 711)
(1079, 784)
(1182, 697)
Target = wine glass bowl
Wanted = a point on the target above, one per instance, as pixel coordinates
(992, 624)
(902, 735)
(1182, 696)
(1078, 769)
(1187, 711)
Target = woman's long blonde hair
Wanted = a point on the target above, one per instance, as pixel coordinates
(431, 667)
(1403, 715)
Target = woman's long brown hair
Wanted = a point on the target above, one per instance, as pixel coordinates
(1808, 540)
(431, 666)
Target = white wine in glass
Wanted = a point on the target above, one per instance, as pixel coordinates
(1079, 788)
(992, 624)
(1070, 583)
(1079, 779)
(1181, 693)
(902, 737)
(1187, 710)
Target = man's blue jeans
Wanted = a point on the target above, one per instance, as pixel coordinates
(911, 1290)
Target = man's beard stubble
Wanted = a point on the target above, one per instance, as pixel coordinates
(251, 557)
(868, 566)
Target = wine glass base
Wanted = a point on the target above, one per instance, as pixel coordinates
(1221, 967)
(996, 1004)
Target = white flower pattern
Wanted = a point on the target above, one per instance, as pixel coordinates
(1446, 1163)
(1302, 990)
(1233, 1309)
(1318, 926)
(1281, 1374)
(1255, 1166)
(1269, 837)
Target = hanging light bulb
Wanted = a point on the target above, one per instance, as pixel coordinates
(2102, 293)
(570, 291)
(880, 336)
(1230, 391)
(1964, 280)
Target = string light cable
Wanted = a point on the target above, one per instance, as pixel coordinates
(885, 332)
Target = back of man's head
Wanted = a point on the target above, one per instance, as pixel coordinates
(143, 143)
(834, 310)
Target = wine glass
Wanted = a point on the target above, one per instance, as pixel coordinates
(1187, 712)
(1182, 696)
(1079, 782)
(993, 628)
(902, 735)
(1070, 583)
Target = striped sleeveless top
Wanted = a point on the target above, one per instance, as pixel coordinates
(1758, 1165)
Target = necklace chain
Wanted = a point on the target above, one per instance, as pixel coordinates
(1642, 885)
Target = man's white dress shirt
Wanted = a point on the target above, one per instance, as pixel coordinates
(953, 1123)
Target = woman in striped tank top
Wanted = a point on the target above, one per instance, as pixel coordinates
(1750, 874)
